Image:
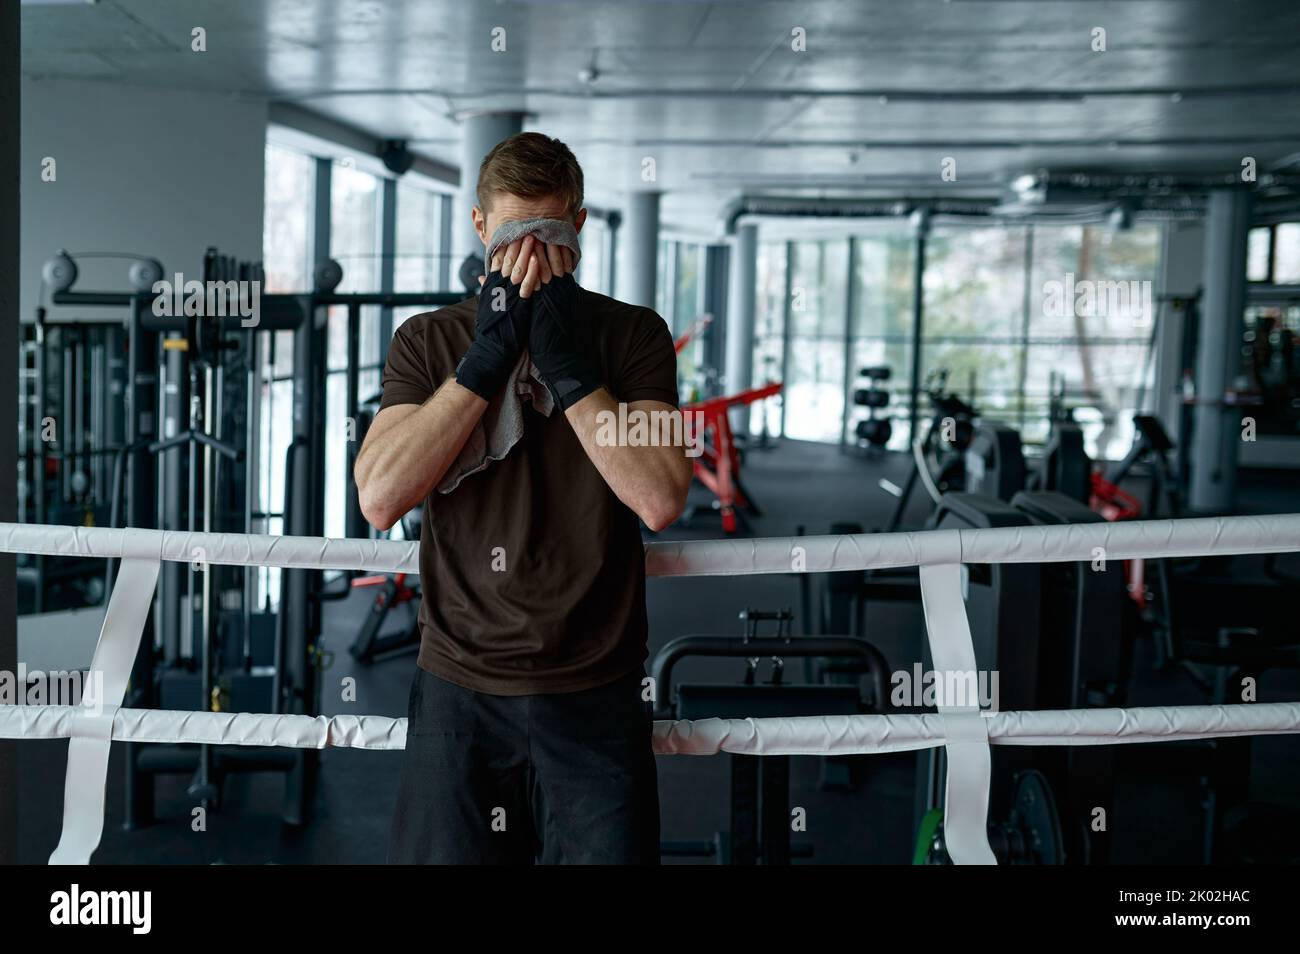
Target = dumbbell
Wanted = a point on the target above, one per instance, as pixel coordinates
(870, 397)
(875, 431)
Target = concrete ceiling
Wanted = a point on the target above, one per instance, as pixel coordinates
(714, 92)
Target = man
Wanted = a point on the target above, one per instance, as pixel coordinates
(529, 733)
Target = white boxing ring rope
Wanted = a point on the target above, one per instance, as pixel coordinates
(965, 733)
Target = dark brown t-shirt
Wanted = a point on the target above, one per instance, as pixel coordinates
(568, 611)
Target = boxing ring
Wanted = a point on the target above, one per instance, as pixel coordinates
(964, 732)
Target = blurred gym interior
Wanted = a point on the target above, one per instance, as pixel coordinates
(927, 266)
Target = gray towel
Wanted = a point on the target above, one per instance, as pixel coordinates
(502, 424)
(550, 231)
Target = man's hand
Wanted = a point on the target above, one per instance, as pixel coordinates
(525, 267)
(560, 343)
(532, 264)
(500, 334)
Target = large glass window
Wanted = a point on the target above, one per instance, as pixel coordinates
(354, 244)
(686, 287)
(418, 265)
(593, 268)
(1286, 254)
(769, 334)
(880, 330)
(286, 223)
(685, 311)
(354, 232)
(1091, 315)
(663, 297)
(1004, 310)
(1259, 250)
(355, 241)
(814, 376)
(1273, 254)
(972, 324)
(417, 259)
(287, 261)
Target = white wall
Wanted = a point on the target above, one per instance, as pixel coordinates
(159, 172)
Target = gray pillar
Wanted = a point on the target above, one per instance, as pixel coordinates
(1181, 268)
(478, 135)
(320, 216)
(921, 222)
(387, 268)
(739, 336)
(640, 249)
(1216, 436)
(9, 107)
(445, 211)
(713, 295)
(614, 220)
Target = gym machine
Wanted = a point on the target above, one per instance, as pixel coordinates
(995, 461)
(1003, 606)
(1084, 662)
(1029, 835)
(1271, 364)
(391, 591)
(1151, 447)
(1222, 623)
(760, 785)
(1065, 465)
(938, 458)
(194, 399)
(216, 653)
(1056, 637)
(71, 424)
(718, 466)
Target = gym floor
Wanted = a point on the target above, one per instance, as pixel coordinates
(1157, 816)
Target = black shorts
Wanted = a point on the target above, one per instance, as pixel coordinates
(567, 778)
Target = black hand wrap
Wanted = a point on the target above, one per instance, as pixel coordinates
(500, 336)
(560, 343)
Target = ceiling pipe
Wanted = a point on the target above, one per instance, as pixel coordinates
(795, 206)
(1115, 184)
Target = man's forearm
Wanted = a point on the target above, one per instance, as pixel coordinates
(652, 479)
(400, 467)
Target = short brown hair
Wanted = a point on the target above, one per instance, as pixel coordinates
(532, 166)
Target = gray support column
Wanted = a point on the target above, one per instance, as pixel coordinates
(739, 334)
(850, 310)
(611, 253)
(387, 262)
(9, 107)
(640, 249)
(670, 285)
(478, 135)
(445, 212)
(713, 301)
(320, 236)
(1216, 436)
(787, 309)
(921, 222)
(1181, 266)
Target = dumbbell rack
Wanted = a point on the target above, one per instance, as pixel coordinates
(873, 432)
